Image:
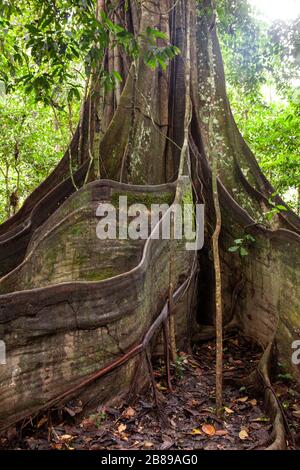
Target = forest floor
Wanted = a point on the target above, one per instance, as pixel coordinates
(185, 418)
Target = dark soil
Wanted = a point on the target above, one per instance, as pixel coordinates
(185, 418)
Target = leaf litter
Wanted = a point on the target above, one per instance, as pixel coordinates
(185, 418)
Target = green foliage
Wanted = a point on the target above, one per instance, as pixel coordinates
(273, 132)
(157, 55)
(50, 46)
(31, 145)
(99, 418)
(255, 52)
(179, 367)
(49, 51)
(241, 245)
(275, 210)
(262, 64)
(243, 41)
(286, 377)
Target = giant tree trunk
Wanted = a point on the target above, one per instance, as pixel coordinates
(77, 319)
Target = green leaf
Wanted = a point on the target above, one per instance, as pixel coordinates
(155, 33)
(117, 76)
(281, 208)
(243, 252)
(270, 215)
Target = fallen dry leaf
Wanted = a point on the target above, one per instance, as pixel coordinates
(129, 413)
(261, 419)
(243, 399)
(161, 388)
(42, 421)
(166, 445)
(66, 438)
(88, 423)
(222, 432)
(253, 402)
(209, 429)
(57, 446)
(196, 432)
(122, 428)
(194, 402)
(194, 364)
(243, 435)
(148, 444)
(228, 410)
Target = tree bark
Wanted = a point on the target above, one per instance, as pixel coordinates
(53, 309)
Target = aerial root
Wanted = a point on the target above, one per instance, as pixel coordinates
(152, 379)
(167, 353)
